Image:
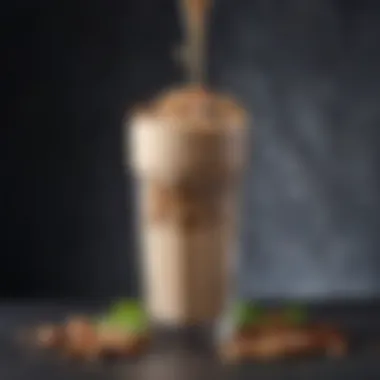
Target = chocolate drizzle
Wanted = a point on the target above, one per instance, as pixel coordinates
(187, 205)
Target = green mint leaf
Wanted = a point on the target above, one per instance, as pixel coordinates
(126, 314)
(296, 314)
(246, 314)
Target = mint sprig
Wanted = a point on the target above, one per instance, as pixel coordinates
(126, 315)
(246, 314)
(296, 314)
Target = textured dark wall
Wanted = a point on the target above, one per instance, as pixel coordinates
(74, 68)
(309, 72)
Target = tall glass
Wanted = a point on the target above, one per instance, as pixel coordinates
(187, 154)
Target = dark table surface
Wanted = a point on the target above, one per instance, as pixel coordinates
(19, 361)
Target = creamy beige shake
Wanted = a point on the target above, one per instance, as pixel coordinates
(187, 152)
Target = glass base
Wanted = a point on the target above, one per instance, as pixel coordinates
(198, 338)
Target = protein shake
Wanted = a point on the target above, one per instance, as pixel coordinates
(187, 151)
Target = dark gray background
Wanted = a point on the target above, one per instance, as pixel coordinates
(307, 69)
